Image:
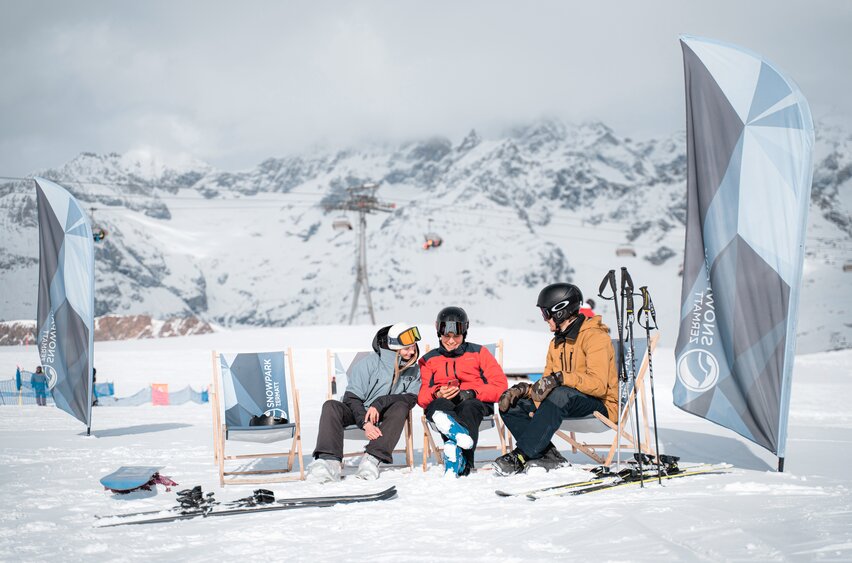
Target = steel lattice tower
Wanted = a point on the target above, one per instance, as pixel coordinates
(362, 199)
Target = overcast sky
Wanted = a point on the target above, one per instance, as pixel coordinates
(234, 83)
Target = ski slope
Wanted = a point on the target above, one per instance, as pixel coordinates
(49, 473)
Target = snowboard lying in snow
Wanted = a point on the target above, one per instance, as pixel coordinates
(130, 478)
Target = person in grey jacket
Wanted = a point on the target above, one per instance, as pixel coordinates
(382, 388)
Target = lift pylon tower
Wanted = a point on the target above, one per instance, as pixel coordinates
(362, 199)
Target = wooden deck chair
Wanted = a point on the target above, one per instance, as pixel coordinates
(253, 384)
(597, 423)
(340, 363)
(493, 421)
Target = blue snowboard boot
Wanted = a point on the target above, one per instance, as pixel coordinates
(454, 431)
(454, 462)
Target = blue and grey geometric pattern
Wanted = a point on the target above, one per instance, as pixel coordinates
(253, 384)
(66, 298)
(749, 149)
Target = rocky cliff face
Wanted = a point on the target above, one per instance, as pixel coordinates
(112, 327)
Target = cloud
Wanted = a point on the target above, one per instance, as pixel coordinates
(234, 84)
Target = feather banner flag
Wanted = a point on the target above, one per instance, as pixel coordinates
(750, 139)
(66, 299)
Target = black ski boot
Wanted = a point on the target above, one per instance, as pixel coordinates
(510, 464)
(550, 459)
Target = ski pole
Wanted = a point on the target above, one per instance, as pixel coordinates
(609, 279)
(627, 295)
(651, 314)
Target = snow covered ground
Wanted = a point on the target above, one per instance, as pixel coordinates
(49, 473)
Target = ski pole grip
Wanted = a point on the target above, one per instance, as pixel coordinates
(647, 307)
(644, 308)
(626, 280)
(613, 287)
(610, 275)
(627, 289)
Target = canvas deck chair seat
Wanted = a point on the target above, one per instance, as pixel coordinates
(603, 452)
(262, 434)
(340, 364)
(430, 447)
(249, 385)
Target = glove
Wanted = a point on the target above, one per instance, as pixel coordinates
(511, 395)
(466, 394)
(542, 388)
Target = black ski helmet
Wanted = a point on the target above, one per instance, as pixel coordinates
(454, 316)
(560, 301)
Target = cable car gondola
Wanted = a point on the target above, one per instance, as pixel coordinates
(341, 224)
(98, 233)
(433, 240)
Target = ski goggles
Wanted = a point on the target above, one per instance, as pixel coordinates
(406, 337)
(547, 314)
(454, 327)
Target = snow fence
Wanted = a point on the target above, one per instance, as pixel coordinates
(11, 394)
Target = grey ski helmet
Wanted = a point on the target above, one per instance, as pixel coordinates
(559, 301)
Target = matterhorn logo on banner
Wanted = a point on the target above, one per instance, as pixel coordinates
(698, 370)
(47, 352)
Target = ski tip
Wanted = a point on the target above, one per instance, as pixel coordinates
(388, 493)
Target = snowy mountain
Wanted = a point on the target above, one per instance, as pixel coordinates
(546, 202)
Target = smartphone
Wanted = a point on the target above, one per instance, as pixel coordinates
(452, 383)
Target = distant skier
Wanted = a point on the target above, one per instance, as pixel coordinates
(94, 383)
(382, 389)
(461, 383)
(38, 381)
(579, 379)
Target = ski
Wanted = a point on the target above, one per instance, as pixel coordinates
(196, 501)
(603, 476)
(282, 504)
(573, 484)
(633, 480)
(265, 497)
(179, 509)
(191, 500)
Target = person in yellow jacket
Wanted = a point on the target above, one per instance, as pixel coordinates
(580, 378)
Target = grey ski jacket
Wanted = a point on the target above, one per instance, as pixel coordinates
(370, 384)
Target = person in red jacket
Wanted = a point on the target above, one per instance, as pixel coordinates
(587, 309)
(460, 382)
